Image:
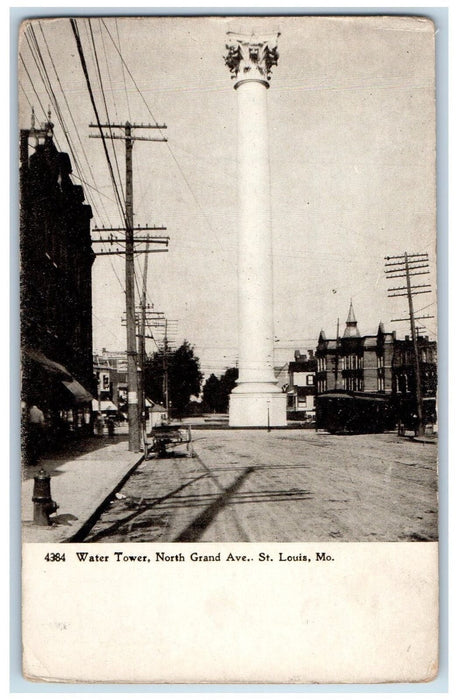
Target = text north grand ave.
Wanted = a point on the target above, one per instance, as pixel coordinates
(197, 557)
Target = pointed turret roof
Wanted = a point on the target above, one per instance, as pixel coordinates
(351, 330)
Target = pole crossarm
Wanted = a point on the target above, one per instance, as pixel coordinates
(403, 269)
(126, 138)
(123, 252)
(132, 126)
(412, 274)
(403, 257)
(417, 318)
(120, 241)
(120, 229)
(416, 286)
(407, 266)
(149, 311)
(426, 291)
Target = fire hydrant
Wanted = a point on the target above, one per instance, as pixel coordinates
(43, 503)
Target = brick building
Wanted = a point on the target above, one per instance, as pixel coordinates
(377, 365)
(56, 292)
(354, 362)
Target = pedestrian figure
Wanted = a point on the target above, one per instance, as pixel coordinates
(99, 424)
(35, 433)
(111, 427)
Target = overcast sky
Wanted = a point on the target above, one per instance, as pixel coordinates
(352, 153)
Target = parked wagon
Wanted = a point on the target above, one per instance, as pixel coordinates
(166, 437)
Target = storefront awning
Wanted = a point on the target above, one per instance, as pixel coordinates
(50, 366)
(104, 405)
(80, 395)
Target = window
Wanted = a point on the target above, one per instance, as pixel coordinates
(310, 379)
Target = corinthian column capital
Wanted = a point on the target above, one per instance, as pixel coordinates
(251, 57)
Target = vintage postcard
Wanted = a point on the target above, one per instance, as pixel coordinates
(229, 349)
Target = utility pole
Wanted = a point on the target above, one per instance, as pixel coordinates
(129, 250)
(336, 366)
(166, 372)
(407, 266)
(146, 318)
(141, 343)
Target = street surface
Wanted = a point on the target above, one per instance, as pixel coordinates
(282, 486)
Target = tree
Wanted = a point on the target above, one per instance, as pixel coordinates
(180, 369)
(216, 391)
(228, 382)
(213, 396)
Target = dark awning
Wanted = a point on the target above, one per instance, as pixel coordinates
(80, 395)
(54, 368)
(60, 373)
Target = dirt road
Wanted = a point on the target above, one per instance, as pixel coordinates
(282, 486)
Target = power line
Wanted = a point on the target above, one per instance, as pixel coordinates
(106, 110)
(42, 71)
(75, 127)
(25, 94)
(168, 145)
(32, 84)
(36, 54)
(74, 27)
(122, 66)
(41, 66)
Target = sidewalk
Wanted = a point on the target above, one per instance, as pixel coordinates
(83, 477)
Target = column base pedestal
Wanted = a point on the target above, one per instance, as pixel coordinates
(249, 408)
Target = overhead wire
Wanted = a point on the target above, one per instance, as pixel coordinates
(39, 60)
(25, 94)
(41, 67)
(167, 142)
(33, 85)
(43, 72)
(76, 34)
(122, 67)
(75, 128)
(102, 92)
(107, 63)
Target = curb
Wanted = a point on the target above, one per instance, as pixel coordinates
(83, 529)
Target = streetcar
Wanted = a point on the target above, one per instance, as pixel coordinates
(354, 412)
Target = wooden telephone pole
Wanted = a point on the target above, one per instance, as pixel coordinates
(129, 250)
(408, 266)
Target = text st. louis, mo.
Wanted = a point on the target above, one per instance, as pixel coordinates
(88, 557)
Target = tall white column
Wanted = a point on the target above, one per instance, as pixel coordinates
(256, 401)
